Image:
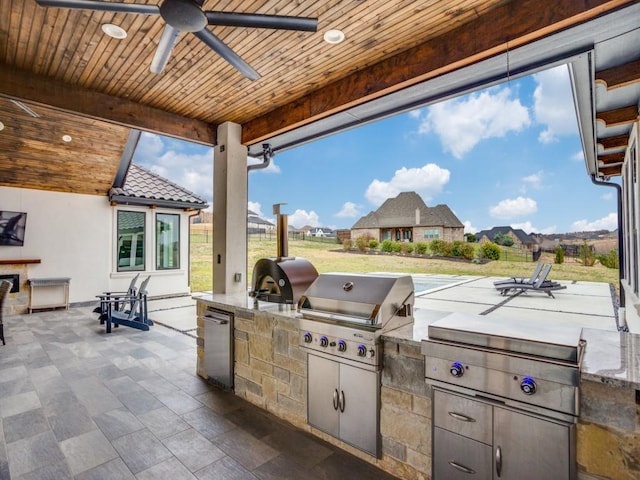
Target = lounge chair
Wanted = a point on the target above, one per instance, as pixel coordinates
(531, 280)
(136, 316)
(5, 286)
(540, 285)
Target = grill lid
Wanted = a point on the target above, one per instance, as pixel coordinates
(555, 342)
(358, 298)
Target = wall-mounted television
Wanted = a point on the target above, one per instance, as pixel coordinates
(12, 227)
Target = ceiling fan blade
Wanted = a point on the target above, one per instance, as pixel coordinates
(165, 47)
(118, 7)
(225, 52)
(256, 20)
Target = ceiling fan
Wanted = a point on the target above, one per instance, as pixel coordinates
(188, 16)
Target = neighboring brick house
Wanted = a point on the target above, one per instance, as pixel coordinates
(407, 218)
(519, 237)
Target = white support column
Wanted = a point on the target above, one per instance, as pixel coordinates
(230, 211)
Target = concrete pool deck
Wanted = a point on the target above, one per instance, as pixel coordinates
(588, 304)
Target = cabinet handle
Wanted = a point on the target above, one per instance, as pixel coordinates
(341, 403)
(462, 468)
(459, 416)
(498, 461)
(336, 402)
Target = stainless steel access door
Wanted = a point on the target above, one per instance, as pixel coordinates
(218, 347)
(530, 448)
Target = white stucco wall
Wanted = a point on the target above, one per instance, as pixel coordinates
(74, 236)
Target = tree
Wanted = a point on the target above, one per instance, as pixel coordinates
(559, 255)
(471, 237)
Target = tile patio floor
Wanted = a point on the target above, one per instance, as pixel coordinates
(76, 403)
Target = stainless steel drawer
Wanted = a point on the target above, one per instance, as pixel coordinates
(463, 416)
(460, 458)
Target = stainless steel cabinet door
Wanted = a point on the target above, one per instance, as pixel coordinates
(359, 404)
(323, 392)
(218, 348)
(528, 448)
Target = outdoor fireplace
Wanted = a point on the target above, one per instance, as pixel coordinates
(14, 279)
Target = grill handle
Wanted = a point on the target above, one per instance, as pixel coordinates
(341, 403)
(459, 416)
(462, 468)
(498, 461)
(336, 402)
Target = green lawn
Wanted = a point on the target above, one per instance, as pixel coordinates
(329, 257)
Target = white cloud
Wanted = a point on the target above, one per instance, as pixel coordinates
(462, 123)
(578, 156)
(610, 222)
(513, 208)
(535, 179)
(427, 181)
(468, 228)
(528, 227)
(255, 207)
(607, 196)
(349, 210)
(415, 113)
(300, 218)
(553, 104)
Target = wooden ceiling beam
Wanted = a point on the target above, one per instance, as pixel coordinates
(611, 171)
(505, 27)
(21, 85)
(618, 116)
(619, 76)
(617, 141)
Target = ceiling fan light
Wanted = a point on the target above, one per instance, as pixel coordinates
(114, 31)
(333, 36)
(1, 126)
(66, 138)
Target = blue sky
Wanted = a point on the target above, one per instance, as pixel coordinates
(507, 155)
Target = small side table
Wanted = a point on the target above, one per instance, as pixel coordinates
(44, 287)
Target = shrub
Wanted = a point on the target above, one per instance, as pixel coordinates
(456, 246)
(466, 250)
(587, 257)
(387, 246)
(447, 249)
(437, 246)
(396, 247)
(421, 248)
(406, 247)
(373, 244)
(346, 244)
(610, 260)
(362, 243)
(503, 239)
(490, 251)
(559, 255)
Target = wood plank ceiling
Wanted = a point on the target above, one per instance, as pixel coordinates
(59, 62)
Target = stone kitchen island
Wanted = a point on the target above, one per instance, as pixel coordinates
(270, 371)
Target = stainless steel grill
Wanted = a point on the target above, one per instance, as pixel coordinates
(342, 318)
(344, 313)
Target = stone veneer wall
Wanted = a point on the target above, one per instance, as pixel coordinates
(271, 372)
(608, 445)
(17, 303)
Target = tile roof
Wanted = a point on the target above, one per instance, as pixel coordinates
(519, 233)
(143, 187)
(401, 211)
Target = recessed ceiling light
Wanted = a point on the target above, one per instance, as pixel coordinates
(1, 126)
(114, 31)
(333, 36)
(66, 138)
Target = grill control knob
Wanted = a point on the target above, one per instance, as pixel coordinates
(342, 346)
(307, 338)
(324, 341)
(362, 351)
(457, 370)
(528, 386)
(371, 353)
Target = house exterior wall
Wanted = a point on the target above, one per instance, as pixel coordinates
(362, 232)
(74, 236)
(630, 282)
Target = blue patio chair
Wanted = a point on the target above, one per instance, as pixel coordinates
(135, 317)
(113, 300)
